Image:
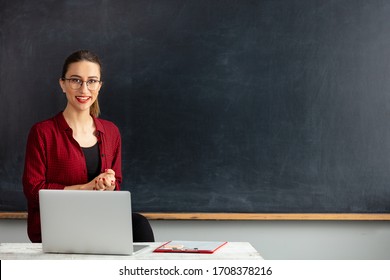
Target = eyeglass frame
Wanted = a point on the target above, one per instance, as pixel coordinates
(82, 82)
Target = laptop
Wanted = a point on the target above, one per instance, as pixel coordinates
(86, 222)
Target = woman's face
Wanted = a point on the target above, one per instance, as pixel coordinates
(86, 73)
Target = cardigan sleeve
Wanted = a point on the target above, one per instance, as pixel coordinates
(117, 160)
(34, 174)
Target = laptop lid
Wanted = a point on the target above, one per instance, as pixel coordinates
(86, 222)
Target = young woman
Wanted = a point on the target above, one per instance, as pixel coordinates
(75, 150)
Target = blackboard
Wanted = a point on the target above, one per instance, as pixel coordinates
(236, 106)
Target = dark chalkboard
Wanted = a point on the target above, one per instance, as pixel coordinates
(269, 106)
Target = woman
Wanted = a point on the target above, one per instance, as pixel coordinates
(75, 150)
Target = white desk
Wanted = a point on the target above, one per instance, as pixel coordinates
(230, 251)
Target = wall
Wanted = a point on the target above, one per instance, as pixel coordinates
(273, 239)
(314, 73)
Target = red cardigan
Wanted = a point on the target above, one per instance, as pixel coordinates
(54, 159)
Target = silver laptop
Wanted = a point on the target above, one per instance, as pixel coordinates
(86, 222)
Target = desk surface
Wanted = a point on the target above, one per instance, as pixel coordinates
(231, 251)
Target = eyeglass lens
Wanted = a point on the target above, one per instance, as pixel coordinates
(77, 84)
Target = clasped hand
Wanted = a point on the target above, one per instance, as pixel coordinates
(105, 181)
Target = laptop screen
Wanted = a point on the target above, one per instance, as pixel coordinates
(86, 222)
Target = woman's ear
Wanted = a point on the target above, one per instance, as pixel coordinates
(62, 84)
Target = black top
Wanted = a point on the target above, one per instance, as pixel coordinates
(92, 159)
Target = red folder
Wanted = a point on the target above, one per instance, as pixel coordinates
(202, 247)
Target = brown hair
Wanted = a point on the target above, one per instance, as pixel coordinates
(84, 55)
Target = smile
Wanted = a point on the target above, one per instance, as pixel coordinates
(83, 99)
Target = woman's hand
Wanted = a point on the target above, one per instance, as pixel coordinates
(105, 181)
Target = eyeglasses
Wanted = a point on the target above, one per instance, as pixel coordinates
(77, 83)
